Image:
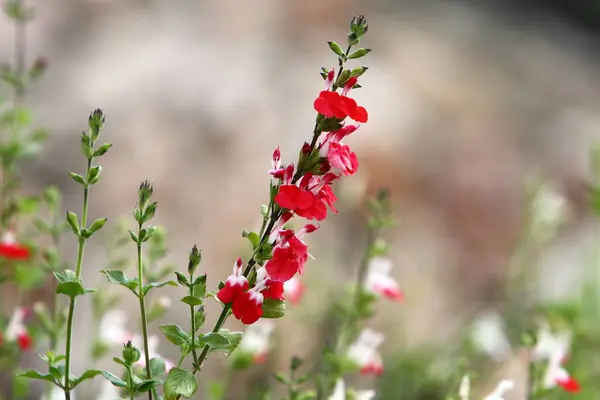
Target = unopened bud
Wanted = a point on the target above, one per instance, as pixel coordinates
(131, 354)
(144, 194)
(194, 260)
(359, 25)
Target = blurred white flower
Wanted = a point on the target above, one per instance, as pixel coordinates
(16, 326)
(550, 343)
(164, 302)
(257, 339)
(108, 391)
(112, 328)
(498, 393)
(488, 335)
(339, 392)
(464, 389)
(364, 352)
(380, 282)
(549, 211)
(153, 342)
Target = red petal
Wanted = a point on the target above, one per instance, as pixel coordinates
(360, 114)
(286, 198)
(274, 291)
(14, 251)
(569, 385)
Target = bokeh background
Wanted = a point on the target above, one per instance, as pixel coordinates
(467, 101)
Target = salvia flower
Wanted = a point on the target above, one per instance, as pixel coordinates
(257, 340)
(364, 352)
(339, 392)
(498, 393)
(554, 347)
(380, 282)
(235, 285)
(247, 307)
(310, 197)
(10, 249)
(334, 105)
(293, 290)
(16, 331)
(289, 255)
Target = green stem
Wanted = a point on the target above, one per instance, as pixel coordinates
(193, 324)
(143, 307)
(130, 379)
(80, 250)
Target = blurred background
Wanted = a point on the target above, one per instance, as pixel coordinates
(467, 100)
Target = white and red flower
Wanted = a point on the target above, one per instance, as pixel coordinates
(235, 285)
(10, 249)
(379, 281)
(257, 340)
(554, 347)
(16, 331)
(498, 393)
(364, 352)
(339, 392)
(293, 290)
(289, 255)
(310, 197)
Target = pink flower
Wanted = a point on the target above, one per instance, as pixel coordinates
(235, 285)
(293, 290)
(378, 280)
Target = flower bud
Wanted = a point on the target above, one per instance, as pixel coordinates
(359, 26)
(131, 354)
(195, 258)
(144, 194)
(95, 122)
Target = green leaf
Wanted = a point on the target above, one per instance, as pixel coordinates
(31, 374)
(102, 150)
(180, 383)
(89, 374)
(336, 49)
(174, 334)
(234, 339)
(134, 237)
(191, 300)
(157, 366)
(199, 317)
(97, 225)
(94, 174)
(157, 285)
(113, 379)
(71, 289)
(181, 279)
(118, 277)
(273, 308)
(359, 71)
(343, 78)
(359, 53)
(147, 384)
(214, 340)
(252, 237)
(73, 223)
(77, 178)
(200, 286)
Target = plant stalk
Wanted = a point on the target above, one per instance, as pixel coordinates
(143, 307)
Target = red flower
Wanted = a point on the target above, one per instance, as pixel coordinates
(303, 202)
(247, 307)
(332, 104)
(569, 385)
(288, 258)
(10, 249)
(235, 285)
(274, 290)
(340, 156)
(24, 341)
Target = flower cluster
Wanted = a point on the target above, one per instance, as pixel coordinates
(303, 190)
